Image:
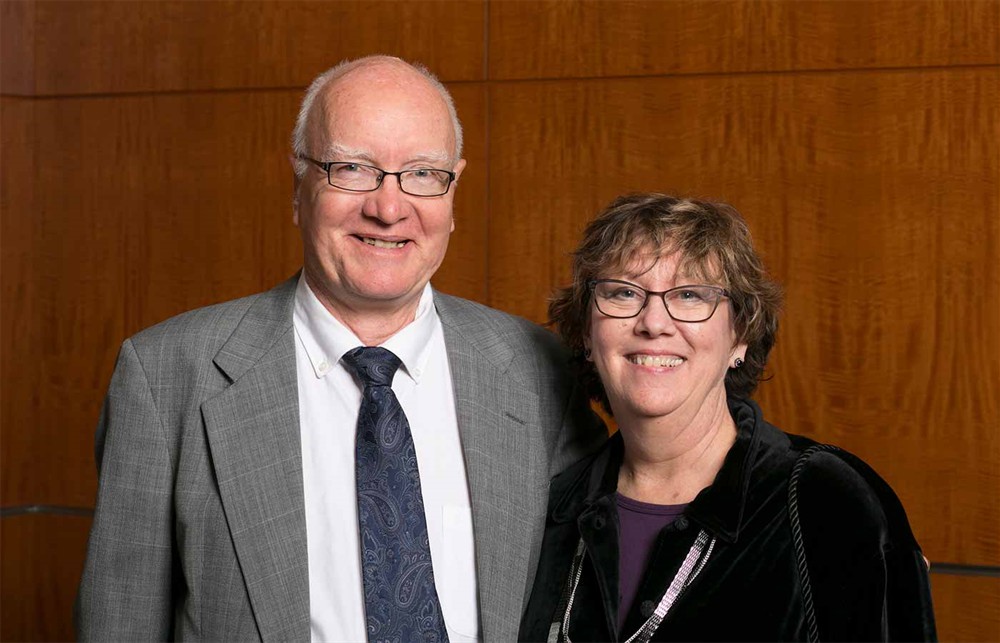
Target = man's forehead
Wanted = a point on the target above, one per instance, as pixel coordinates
(417, 104)
(383, 83)
(340, 151)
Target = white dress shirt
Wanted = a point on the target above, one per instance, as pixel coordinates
(329, 400)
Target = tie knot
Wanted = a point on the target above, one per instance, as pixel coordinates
(374, 365)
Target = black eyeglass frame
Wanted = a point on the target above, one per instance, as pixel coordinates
(326, 165)
(662, 294)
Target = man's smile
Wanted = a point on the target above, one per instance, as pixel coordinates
(382, 243)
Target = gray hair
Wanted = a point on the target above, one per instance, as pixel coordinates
(342, 68)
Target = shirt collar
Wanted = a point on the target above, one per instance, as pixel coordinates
(326, 339)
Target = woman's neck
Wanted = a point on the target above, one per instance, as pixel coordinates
(668, 461)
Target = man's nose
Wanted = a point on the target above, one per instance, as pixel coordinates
(388, 203)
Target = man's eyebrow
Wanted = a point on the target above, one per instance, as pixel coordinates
(435, 157)
(337, 152)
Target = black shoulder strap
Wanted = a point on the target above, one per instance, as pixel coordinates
(800, 552)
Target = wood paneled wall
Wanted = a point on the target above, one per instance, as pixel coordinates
(144, 172)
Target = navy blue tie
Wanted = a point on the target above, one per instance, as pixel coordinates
(401, 602)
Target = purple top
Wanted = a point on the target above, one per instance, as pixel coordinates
(639, 524)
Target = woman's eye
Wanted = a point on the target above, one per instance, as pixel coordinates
(624, 293)
(689, 295)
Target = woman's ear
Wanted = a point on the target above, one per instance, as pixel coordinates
(737, 356)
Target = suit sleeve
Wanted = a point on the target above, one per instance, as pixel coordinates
(582, 432)
(868, 578)
(127, 585)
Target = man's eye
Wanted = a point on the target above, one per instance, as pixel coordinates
(348, 168)
(421, 174)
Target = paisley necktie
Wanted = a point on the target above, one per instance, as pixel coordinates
(401, 602)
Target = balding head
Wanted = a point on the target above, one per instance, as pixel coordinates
(370, 67)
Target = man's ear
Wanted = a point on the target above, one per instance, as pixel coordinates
(458, 168)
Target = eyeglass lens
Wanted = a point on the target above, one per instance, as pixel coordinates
(685, 303)
(364, 178)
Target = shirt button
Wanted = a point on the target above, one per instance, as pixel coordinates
(598, 522)
(323, 367)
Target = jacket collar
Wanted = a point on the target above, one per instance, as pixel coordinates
(267, 320)
(253, 434)
(499, 416)
(718, 508)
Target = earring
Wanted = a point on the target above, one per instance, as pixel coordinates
(586, 354)
(738, 363)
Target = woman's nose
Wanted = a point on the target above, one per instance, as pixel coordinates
(654, 319)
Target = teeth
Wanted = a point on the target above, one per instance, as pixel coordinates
(378, 243)
(656, 360)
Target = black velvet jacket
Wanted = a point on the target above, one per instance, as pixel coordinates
(868, 578)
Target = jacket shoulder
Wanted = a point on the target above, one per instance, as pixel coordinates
(524, 339)
(869, 580)
(205, 330)
(837, 488)
(198, 326)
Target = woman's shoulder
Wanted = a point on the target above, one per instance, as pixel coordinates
(868, 576)
(839, 492)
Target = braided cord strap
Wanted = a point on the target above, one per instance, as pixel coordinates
(812, 631)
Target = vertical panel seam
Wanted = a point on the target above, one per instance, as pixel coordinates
(487, 197)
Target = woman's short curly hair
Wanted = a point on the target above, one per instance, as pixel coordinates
(713, 243)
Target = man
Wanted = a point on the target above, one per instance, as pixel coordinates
(232, 484)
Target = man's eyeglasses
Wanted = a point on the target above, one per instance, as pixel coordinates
(358, 177)
(622, 300)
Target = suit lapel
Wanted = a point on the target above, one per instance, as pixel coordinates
(498, 421)
(253, 434)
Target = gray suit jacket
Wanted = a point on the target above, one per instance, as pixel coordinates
(199, 529)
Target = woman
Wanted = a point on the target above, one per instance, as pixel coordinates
(699, 520)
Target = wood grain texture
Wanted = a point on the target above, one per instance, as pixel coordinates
(40, 566)
(17, 52)
(207, 186)
(967, 608)
(18, 329)
(156, 45)
(602, 38)
(463, 272)
(874, 198)
(63, 292)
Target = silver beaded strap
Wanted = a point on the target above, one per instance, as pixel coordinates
(693, 563)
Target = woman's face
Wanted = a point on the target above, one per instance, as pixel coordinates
(652, 366)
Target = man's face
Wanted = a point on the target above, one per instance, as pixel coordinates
(375, 251)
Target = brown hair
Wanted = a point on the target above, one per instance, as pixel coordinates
(713, 242)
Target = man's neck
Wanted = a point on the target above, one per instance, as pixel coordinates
(372, 323)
